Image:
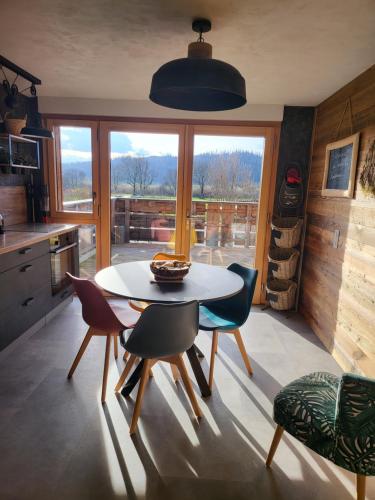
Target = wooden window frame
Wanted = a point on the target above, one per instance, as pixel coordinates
(186, 130)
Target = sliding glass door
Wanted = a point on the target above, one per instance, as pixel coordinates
(144, 173)
(229, 196)
(142, 184)
(226, 178)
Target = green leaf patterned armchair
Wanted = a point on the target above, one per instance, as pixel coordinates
(333, 416)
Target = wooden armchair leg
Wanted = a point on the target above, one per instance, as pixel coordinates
(243, 352)
(106, 365)
(361, 487)
(125, 372)
(125, 356)
(115, 346)
(215, 335)
(141, 391)
(275, 443)
(79, 354)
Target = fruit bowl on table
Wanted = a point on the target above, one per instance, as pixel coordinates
(169, 270)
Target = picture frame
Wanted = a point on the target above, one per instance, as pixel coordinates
(340, 167)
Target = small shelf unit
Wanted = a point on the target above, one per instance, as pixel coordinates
(18, 152)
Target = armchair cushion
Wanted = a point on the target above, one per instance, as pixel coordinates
(332, 416)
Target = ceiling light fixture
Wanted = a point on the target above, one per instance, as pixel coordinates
(198, 82)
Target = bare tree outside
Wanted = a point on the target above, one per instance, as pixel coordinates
(201, 176)
(169, 186)
(131, 174)
(145, 174)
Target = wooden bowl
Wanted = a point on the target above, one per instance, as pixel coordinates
(169, 270)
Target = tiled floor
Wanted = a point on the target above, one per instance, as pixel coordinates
(58, 442)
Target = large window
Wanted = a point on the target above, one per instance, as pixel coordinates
(137, 189)
(144, 170)
(76, 169)
(227, 173)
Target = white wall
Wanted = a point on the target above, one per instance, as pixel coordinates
(147, 109)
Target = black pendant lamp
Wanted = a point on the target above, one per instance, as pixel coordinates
(198, 82)
(35, 129)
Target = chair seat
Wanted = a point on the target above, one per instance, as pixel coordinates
(306, 409)
(208, 320)
(127, 316)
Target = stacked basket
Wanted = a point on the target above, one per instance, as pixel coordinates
(283, 258)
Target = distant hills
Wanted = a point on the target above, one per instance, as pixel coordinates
(161, 165)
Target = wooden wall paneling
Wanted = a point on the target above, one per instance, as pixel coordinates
(13, 204)
(338, 284)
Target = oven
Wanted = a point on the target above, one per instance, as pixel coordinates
(64, 258)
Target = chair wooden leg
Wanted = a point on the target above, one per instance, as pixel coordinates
(115, 346)
(243, 352)
(125, 356)
(215, 335)
(141, 390)
(187, 383)
(175, 373)
(275, 443)
(79, 354)
(361, 487)
(125, 372)
(106, 365)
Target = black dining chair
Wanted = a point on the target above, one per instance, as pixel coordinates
(163, 333)
(228, 315)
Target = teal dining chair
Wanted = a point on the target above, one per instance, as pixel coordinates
(228, 315)
(333, 416)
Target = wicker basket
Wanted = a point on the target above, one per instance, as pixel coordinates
(287, 231)
(14, 125)
(281, 294)
(283, 262)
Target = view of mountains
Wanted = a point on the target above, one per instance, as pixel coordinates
(159, 166)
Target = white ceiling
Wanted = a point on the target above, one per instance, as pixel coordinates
(295, 52)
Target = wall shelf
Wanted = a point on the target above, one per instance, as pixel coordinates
(18, 152)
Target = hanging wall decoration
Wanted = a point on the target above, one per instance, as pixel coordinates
(341, 161)
(340, 167)
(367, 177)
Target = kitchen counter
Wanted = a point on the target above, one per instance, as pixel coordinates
(13, 240)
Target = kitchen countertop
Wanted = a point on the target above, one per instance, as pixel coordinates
(13, 240)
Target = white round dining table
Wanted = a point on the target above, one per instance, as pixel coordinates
(204, 283)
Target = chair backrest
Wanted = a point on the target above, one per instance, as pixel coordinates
(355, 407)
(169, 256)
(164, 330)
(96, 311)
(237, 308)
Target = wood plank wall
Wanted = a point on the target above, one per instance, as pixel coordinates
(338, 285)
(13, 204)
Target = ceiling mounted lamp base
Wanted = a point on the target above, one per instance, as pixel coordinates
(198, 82)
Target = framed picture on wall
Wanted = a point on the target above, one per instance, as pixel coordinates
(340, 167)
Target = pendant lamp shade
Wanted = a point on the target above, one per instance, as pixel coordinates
(198, 82)
(35, 130)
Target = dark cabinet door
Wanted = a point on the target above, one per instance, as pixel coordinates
(20, 282)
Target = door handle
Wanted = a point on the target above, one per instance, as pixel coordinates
(28, 301)
(26, 268)
(25, 250)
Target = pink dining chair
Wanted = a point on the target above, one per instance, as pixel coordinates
(102, 321)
